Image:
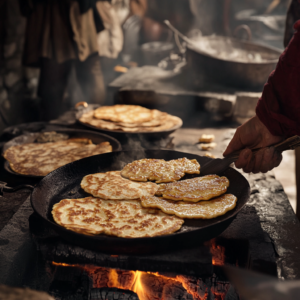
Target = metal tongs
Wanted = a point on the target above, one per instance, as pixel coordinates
(219, 165)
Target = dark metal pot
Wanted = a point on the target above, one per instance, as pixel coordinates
(238, 74)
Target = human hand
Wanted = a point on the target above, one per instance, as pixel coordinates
(250, 135)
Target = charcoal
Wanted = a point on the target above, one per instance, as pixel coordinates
(112, 294)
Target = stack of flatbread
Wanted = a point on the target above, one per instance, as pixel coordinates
(126, 204)
(130, 118)
(39, 159)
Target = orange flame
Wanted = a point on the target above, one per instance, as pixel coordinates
(218, 254)
(106, 277)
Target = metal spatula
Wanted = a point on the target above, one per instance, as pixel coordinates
(219, 165)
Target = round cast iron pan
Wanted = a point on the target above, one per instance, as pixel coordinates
(64, 182)
(122, 134)
(96, 138)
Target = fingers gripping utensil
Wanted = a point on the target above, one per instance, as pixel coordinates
(219, 165)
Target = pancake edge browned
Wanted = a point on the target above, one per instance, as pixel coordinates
(192, 217)
(81, 230)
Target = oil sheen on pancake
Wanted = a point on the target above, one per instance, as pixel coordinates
(127, 219)
(111, 185)
(39, 159)
(195, 189)
(190, 210)
(160, 170)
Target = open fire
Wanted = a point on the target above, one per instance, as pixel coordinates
(148, 285)
(154, 285)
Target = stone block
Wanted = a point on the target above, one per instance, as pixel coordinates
(6, 104)
(32, 73)
(245, 105)
(12, 78)
(9, 50)
(221, 104)
(3, 95)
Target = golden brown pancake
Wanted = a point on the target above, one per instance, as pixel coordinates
(161, 188)
(111, 185)
(127, 219)
(195, 189)
(124, 113)
(163, 122)
(160, 170)
(39, 159)
(190, 210)
(158, 117)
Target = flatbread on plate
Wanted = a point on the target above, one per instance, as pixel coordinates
(124, 113)
(163, 122)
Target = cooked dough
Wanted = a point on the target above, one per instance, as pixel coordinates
(195, 189)
(111, 185)
(160, 170)
(124, 113)
(207, 138)
(161, 188)
(189, 210)
(206, 147)
(163, 122)
(39, 159)
(127, 219)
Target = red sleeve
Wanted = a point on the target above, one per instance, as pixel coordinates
(279, 106)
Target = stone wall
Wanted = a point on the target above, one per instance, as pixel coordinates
(17, 84)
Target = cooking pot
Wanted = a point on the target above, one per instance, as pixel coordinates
(226, 62)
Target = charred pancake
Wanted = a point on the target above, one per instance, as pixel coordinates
(127, 219)
(111, 185)
(195, 189)
(160, 170)
(163, 122)
(124, 113)
(39, 159)
(190, 210)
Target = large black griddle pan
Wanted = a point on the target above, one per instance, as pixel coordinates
(64, 182)
(95, 137)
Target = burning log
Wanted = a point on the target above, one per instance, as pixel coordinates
(146, 285)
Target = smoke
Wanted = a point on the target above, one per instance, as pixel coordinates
(142, 142)
(135, 149)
